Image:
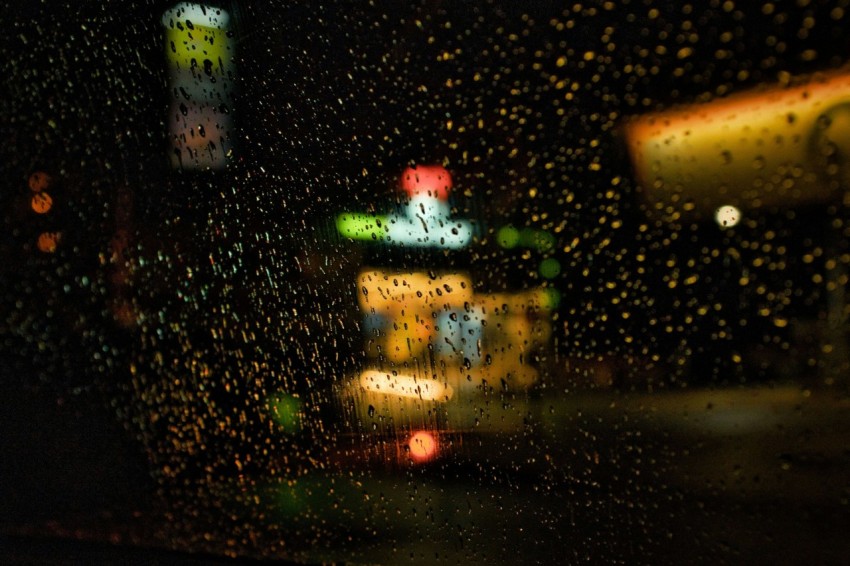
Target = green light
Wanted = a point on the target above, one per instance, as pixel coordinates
(361, 226)
(508, 237)
(538, 239)
(550, 268)
(286, 411)
(553, 298)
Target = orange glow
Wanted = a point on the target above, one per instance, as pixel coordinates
(41, 203)
(422, 445)
(39, 181)
(754, 149)
(427, 180)
(48, 241)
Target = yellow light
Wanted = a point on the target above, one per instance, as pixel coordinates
(196, 33)
(406, 386)
(753, 149)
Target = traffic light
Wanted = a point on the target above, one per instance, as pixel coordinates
(44, 206)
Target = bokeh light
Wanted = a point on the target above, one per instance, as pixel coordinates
(39, 181)
(727, 216)
(48, 241)
(423, 446)
(41, 203)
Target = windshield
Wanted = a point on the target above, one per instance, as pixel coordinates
(491, 282)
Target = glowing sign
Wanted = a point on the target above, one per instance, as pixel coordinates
(405, 386)
(430, 338)
(415, 319)
(767, 148)
(200, 61)
(403, 310)
(426, 221)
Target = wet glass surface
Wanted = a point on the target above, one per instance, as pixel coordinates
(486, 283)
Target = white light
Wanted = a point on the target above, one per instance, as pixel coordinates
(727, 216)
(198, 14)
(405, 386)
(428, 224)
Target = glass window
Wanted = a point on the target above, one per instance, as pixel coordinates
(491, 282)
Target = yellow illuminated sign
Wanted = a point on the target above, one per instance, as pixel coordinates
(196, 34)
(775, 146)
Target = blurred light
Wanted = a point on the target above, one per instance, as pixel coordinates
(361, 226)
(41, 202)
(39, 181)
(764, 148)
(418, 318)
(286, 411)
(426, 180)
(207, 43)
(539, 240)
(409, 304)
(550, 268)
(405, 386)
(727, 216)
(508, 237)
(48, 241)
(427, 219)
(422, 446)
(199, 52)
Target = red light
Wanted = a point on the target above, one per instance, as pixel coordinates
(427, 180)
(422, 446)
